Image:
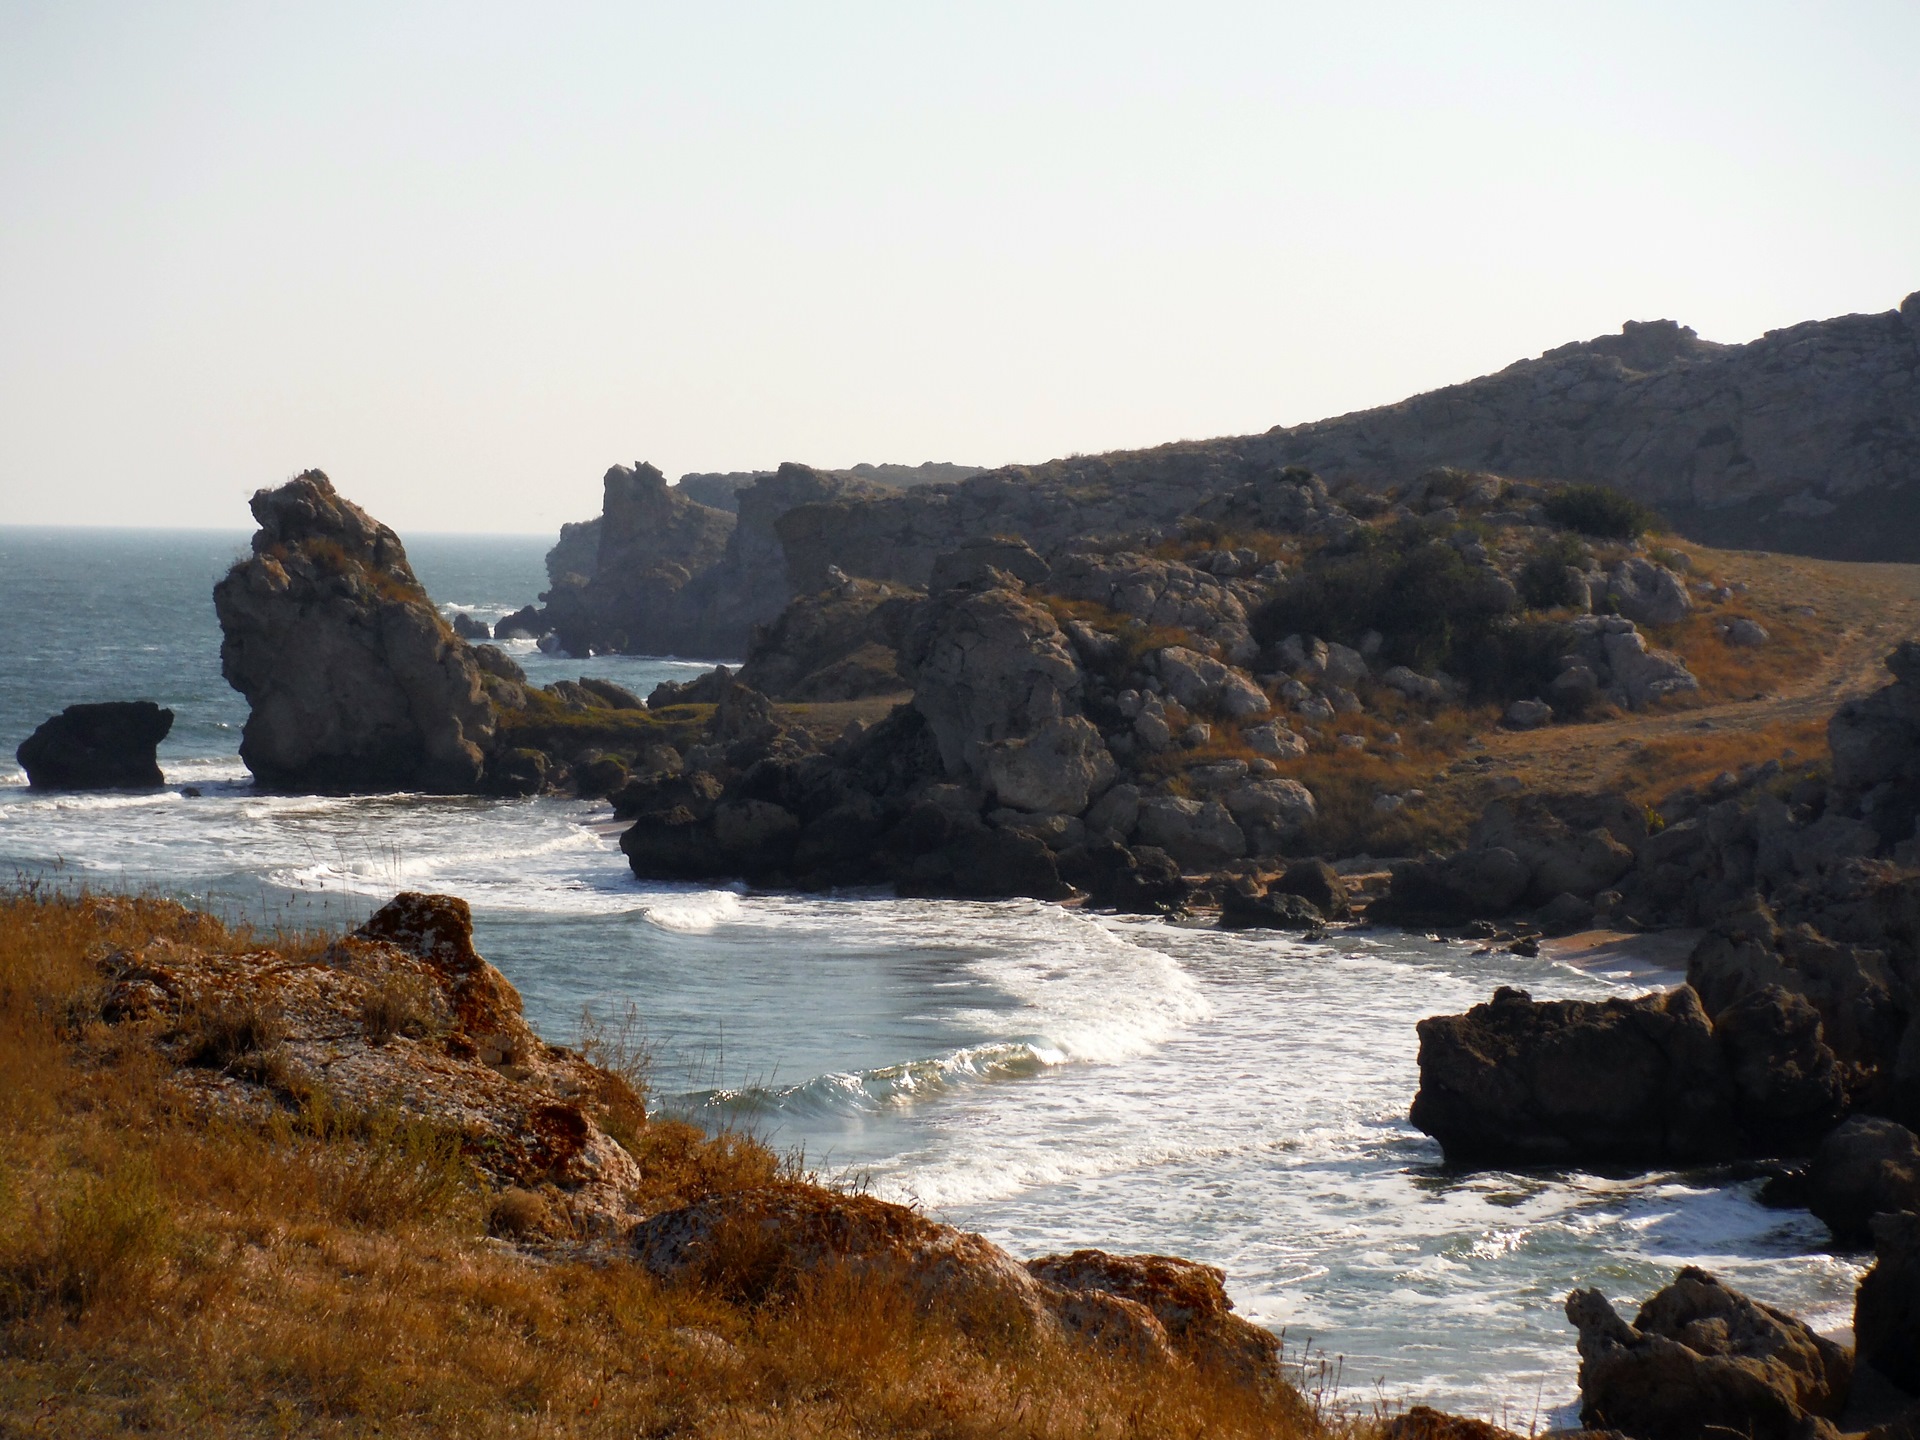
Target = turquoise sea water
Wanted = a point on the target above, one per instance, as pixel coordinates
(1049, 1078)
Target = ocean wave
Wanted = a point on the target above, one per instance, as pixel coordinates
(694, 912)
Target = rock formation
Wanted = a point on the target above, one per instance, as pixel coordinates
(353, 679)
(1701, 1358)
(1805, 440)
(105, 746)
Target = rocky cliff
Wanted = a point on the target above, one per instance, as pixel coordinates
(354, 680)
(1806, 440)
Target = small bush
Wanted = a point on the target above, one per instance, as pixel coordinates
(1420, 594)
(1601, 512)
(1544, 583)
(517, 1214)
(220, 1034)
(400, 1006)
(385, 1170)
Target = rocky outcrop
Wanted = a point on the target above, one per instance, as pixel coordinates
(402, 1016)
(353, 680)
(1519, 1081)
(1701, 1358)
(753, 1244)
(106, 746)
(1886, 1311)
(1876, 753)
(843, 643)
(1869, 1166)
(1795, 442)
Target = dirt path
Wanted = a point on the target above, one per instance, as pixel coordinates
(1837, 618)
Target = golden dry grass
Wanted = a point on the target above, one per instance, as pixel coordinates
(324, 1273)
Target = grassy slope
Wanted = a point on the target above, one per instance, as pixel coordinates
(163, 1270)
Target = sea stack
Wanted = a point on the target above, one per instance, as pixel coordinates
(355, 682)
(109, 746)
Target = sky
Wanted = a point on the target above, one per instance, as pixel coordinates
(465, 257)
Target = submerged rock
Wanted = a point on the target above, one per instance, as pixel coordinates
(107, 746)
(355, 682)
(1700, 1359)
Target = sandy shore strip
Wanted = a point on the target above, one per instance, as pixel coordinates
(1657, 957)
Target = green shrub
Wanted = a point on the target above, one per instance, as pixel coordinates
(1544, 583)
(1424, 599)
(1601, 512)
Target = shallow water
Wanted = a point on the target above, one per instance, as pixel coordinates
(1049, 1078)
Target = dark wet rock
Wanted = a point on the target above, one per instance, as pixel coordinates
(1250, 905)
(106, 746)
(1701, 1358)
(1319, 884)
(1471, 885)
(1886, 1309)
(1198, 834)
(1142, 881)
(353, 680)
(523, 624)
(1520, 1081)
(1865, 1167)
(517, 771)
(1788, 1089)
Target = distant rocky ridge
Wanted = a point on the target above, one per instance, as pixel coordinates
(1806, 440)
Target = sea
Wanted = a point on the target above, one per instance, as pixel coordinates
(1049, 1078)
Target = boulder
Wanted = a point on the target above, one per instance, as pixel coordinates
(1519, 1081)
(1640, 676)
(1275, 741)
(992, 666)
(1745, 634)
(1701, 1358)
(1413, 685)
(1192, 679)
(1198, 834)
(1272, 813)
(1469, 885)
(353, 680)
(1057, 769)
(1528, 715)
(983, 559)
(1142, 881)
(1115, 813)
(1788, 1089)
(1249, 905)
(1318, 883)
(105, 746)
(1886, 1309)
(1866, 1167)
(758, 1244)
(1648, 593)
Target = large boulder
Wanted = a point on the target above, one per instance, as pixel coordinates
(1865, 1167)
(756, 1244)
(992, 666)
(355, 683)
(107, 746)
(1886, 1309)
(1055, 770)
(1272, 813)
(1702, 1359)
(1520, 1081)
(1199, 834)
(1648, 593)
(1471, 884)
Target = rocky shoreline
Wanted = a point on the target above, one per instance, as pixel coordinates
(1176, 722)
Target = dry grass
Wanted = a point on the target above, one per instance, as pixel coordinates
(1666, 763)
(323, 1272)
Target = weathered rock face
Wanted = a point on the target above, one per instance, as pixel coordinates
(1701, 1358)
(1866, 1167)
(756, 1243)
(106, 746)
(992, 666)
(402, 1015)
(1876, 751)
(649, 542)
(841, 644)
(1526, 1082)
(354, 681)
(1886, 1310)
(1794, 441)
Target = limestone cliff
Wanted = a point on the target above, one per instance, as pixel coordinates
(354, 680)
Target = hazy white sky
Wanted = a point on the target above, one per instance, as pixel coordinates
(464, 257)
